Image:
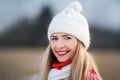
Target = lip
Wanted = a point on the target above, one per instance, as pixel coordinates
(62, 52)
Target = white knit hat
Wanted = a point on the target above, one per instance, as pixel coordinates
(71, 21)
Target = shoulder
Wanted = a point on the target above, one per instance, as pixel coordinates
(92, 75)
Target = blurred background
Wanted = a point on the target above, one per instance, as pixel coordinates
(23, 35)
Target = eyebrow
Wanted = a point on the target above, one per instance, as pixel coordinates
(64, 35)
(53, 36)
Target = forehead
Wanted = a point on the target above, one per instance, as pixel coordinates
(61, 34)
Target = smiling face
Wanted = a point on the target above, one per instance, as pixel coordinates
(63, 46)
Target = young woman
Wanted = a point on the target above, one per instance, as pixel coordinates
(66, 57)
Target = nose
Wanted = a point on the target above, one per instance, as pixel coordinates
(60, 45)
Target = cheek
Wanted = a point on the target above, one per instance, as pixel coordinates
(52, 46)
(73, 45)
(73, 48)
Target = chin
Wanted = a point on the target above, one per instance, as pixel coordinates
(62, 60)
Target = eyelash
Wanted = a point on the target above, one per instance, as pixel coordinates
(54, 39)
(66, 38)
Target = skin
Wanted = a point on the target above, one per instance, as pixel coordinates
(63, 45)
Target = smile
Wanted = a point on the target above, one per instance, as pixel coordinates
(62, 53)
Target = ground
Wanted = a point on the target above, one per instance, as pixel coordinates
(23, 63)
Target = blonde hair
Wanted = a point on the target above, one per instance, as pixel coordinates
(45, 61)
(81, 64)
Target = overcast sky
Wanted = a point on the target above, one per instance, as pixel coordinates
(101, 12)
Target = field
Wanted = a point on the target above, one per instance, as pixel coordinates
(23, 63)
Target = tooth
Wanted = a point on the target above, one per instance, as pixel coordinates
(61, 52)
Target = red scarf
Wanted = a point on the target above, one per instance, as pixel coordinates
(59, 65)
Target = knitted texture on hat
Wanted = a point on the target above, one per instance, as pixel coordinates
(71, 21)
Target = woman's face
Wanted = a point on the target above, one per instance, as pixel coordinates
(63, 46)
